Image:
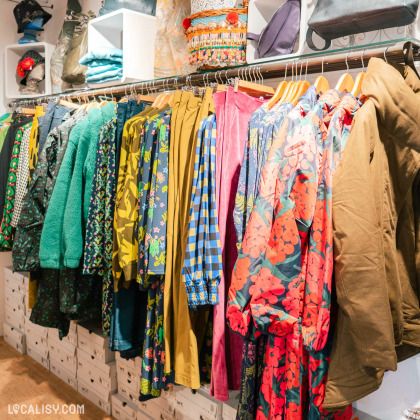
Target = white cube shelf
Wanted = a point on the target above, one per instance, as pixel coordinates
(134, 33)
(13, 53)
(261, 11)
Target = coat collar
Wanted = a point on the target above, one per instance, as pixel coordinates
(395, 92)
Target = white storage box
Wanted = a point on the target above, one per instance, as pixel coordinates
(128, 366)
(230, 408)
(88, 392)
(15, 321)
(91, 340)
(158, 408)
(37, 343)
(15, 337)
(16, 280)
(15, 309)
(197, 406)
(134, 33)
(123, 409)
(94, 371)
(13, 54)
(70, 338)
(13, 297)
(127, 393)
(39, 358)
(131, 383)
(66, 357)
(58, 369)
(37, 329)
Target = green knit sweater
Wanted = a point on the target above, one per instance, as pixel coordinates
(65, 222)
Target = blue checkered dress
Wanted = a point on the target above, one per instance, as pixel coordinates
(203, 257)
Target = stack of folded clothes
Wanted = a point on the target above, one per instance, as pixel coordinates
(104, 65)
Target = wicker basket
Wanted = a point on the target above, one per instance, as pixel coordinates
(217, 38)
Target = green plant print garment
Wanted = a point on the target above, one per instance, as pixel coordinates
(6, 228)
(153, 199)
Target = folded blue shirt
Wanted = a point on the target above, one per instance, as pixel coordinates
(115, 61)
(101, 53)
(99, 78)
(108, 79)
(92, 71)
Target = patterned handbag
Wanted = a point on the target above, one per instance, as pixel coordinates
(216, 38)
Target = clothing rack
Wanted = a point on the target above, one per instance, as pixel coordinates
(326, 61)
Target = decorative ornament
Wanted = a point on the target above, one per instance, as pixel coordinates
(20, 71)
(232, 17)
(186, 23)
(27, 63)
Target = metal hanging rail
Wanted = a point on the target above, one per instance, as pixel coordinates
(325, 61)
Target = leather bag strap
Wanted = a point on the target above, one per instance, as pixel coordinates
(311, 44)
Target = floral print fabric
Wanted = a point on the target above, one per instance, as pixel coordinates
(270, 281)
(6, 228)
(99, 233)
(153, 199)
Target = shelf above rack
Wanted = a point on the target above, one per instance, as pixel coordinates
(334, 60)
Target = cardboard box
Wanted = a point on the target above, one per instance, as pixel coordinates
(15, 337)
(91, 340)
(39, 358)
(94, 371)
(123, 409)
(88, 392)
(58, 369)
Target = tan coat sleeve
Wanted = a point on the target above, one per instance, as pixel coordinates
(358, 249)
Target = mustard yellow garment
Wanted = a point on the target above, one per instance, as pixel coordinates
(184, 330)
(33, 160)
(125, 246)
(33, 140)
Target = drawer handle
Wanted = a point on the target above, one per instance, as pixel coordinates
(128, 380)
(92, 381)
(93, 357)
(124, 404)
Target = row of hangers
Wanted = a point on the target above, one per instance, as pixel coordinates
(249, 80)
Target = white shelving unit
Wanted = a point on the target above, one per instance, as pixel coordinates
(260, 13)
(134, 33)
(13, 53)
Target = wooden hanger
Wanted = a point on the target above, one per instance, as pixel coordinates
(359, 80)
(303, 86)
(346, 82)
(281, 88)
(144, 98)
(220, 86)
(321, 83)
(251, 88)
(68, 104)
(28, 111)
(289, 89)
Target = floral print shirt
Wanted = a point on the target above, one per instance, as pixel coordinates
(263, 128)
(272, 285)
(153, 198)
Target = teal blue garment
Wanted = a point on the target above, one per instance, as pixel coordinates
(106, 76)
(101, 53)
(77, 207)
(51, 247)
(108, 79)
(99, 62)
(94, 70)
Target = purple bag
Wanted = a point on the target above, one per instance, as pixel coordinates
(279, 36)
